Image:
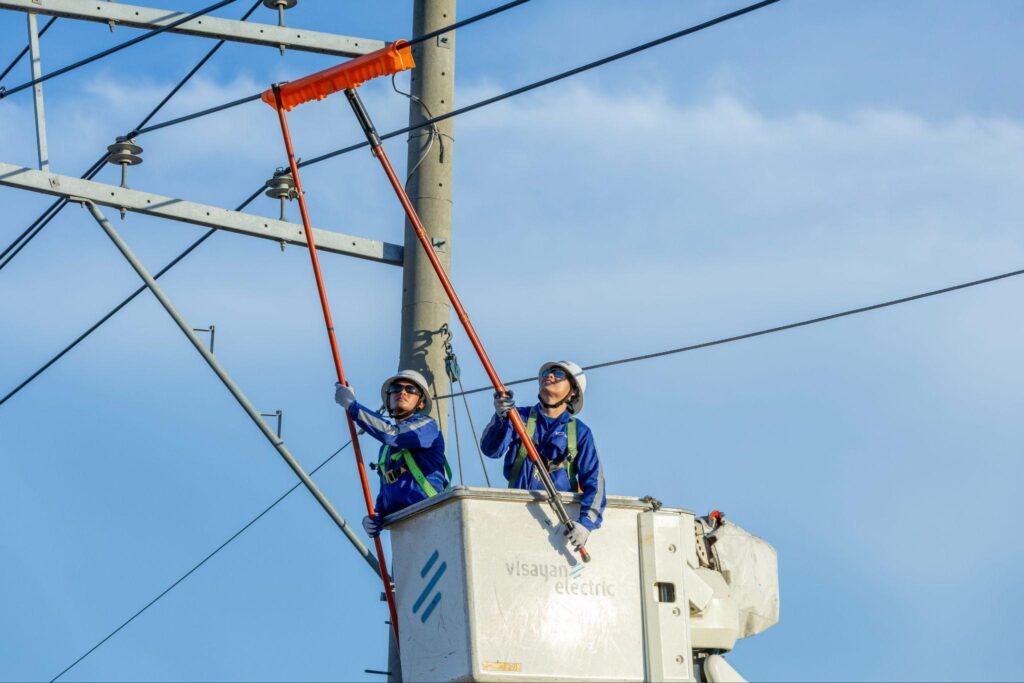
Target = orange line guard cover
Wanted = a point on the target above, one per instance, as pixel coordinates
(353, 73)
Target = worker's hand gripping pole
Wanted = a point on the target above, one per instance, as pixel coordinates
(421, 234)
(334, 350)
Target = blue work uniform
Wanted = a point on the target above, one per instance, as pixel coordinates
(551, 438)
(420, 435)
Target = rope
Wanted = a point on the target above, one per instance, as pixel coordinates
(458, 446)
(196, 566)
(770, 330)
(117, 48)
(472, 428)
(454, 372)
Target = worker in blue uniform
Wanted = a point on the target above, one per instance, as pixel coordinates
(411, 463)
(564, 443)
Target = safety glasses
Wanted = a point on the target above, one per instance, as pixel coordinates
(557, 373)
(407, 388)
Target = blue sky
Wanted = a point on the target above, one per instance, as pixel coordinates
(805, 159)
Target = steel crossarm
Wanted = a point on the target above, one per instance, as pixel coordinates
(136, 16)
(197, 214)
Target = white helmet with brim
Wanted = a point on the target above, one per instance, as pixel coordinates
(576, 376)
(409, 376)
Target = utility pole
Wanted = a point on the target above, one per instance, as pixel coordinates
(425, 307)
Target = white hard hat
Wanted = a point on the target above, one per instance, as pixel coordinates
(410, 376)
(576, 376)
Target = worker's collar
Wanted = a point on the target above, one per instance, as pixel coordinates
(406, 418)
(561, 419)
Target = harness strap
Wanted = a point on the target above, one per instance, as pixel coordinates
(414, 469)
(531, 429)
(517, 466)
(570, 461)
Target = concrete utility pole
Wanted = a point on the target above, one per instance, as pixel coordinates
(425, 307)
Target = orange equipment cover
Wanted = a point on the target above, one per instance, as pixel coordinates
(353, 73)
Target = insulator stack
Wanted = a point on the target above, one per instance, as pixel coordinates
(280, 6)
(126, 153)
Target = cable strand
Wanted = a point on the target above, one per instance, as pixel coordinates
(196, 566)
(769, 330)
(24, 50)
(33, 230)
(117, 48)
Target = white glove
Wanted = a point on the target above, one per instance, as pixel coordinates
(577, 534)
(372, 525)
(343, 395)
(503, 403)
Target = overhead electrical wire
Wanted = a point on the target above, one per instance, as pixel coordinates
(549, 80)
(24, 50)
(426, 36)
(197, 565)
(466, 22)
(112, 312)
(5, 92)
(621, 361)
(769, 330)
(30, 233)
(497, 98)
(52, 211)
(428, 122)
(22, 240)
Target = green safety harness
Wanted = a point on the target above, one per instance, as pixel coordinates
(570, 460)
(390, 476)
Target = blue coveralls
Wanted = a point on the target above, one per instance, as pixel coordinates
(500, 440)
(421, 436)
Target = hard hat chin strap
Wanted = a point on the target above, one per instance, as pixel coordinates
(564, 402)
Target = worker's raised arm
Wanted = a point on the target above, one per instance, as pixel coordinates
(591, 481)
(419, 431)
(499, 432)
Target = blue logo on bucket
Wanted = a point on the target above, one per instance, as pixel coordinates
(429, 587)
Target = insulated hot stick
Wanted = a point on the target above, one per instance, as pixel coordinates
(421, 234)
(348, 76)
(385, 576)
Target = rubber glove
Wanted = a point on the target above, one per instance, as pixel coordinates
(577, 534)
(503, 403)
(343, 395)
(372, 525)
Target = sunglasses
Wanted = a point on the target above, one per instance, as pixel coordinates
(411, 389)
(557, 373)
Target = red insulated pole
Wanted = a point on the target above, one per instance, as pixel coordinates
(446, 283)
(337, 356)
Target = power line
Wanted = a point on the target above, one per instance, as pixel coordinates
(497, 98)
(4, 92)
(22, 240)
(110, 314)
(551, 79)
(466, 22)
(428, 122)
(426, 36)
(769, 330)
(198, 114)
(196, 566)
(24, 50)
